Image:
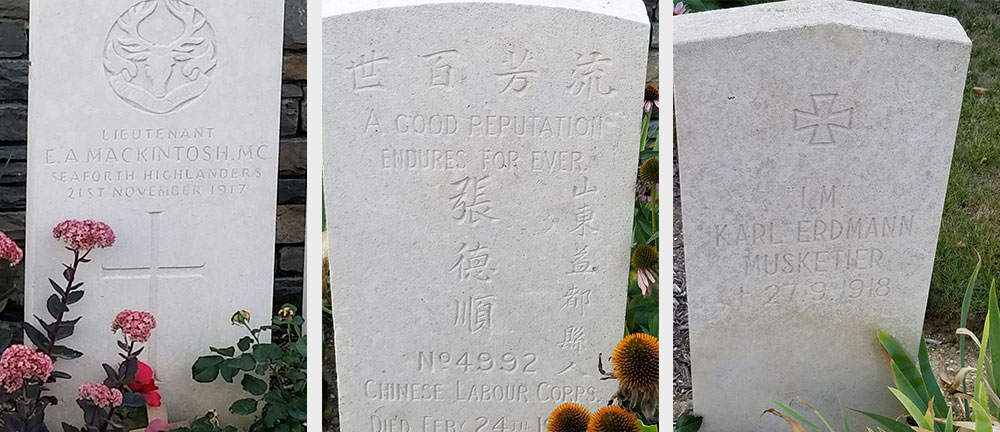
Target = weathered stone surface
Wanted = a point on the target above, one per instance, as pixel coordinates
(292, 158)
(294, 67)
(14, 80)
(289, 117)
(295, 24)
(291, 259)
(13, 39)
(13, 122)
(291, 191)
(291, 91)
(480, 276)
(291, 227)
(14, 9)
(195, 228)
(814, 141)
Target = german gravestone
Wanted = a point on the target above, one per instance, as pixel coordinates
(814, 140)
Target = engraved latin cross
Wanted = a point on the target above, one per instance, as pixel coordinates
(153, 272)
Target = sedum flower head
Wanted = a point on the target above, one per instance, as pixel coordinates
(137, 325)
(101, 395)
(569, 417)
(613, 419)
(20, 363)
(9, 250)
(84, 235)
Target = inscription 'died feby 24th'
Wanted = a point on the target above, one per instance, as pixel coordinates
(471, 204)
(819, 270)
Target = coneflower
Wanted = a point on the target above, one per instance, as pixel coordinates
(613, 419)
(649, 171)
(569, 417)
(645, 259)
(636, 366)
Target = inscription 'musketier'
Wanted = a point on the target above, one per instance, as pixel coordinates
(153, 67)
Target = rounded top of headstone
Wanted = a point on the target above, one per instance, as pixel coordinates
(793, 14)
(633, 10)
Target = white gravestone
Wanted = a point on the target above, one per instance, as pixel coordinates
(479, 162)
(159, 117)
(814, 139)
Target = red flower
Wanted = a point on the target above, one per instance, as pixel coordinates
(145, 384)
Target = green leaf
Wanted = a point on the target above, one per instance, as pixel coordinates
(890, 424)
(916, 413)
(930, 381)
(225, 352)
(55, 306)
(909, 371)
(993, 375)
(647, 428)
(206, 368)
(245, 343)
(227, 371)
(798, 417)
(254, 385)
(264, 352)
(966, 304)
(654, 325)
(244, 406)
(983, 423)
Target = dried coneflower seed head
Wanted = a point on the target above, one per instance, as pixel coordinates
(613, 419)
(645, 257)
(652, 93)
(569, 417)
(637, 361)
(649, 171)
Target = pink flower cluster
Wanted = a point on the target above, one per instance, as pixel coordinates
(101, 395)
(84, 235)
(20, 363)
(135, 324)
(9, 250)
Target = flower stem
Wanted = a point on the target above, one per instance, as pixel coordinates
(57, 325)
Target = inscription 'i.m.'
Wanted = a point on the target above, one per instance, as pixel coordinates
(153, 272)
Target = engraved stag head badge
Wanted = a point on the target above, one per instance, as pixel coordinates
(160, 55)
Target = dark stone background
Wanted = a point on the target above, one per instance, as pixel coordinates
(290, 238)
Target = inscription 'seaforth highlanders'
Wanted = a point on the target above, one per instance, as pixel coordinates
(160, 71)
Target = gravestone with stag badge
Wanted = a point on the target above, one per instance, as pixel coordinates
(480, 185)
(814, 143)
(160, 118)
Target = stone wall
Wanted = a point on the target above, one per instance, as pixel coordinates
(290, 241)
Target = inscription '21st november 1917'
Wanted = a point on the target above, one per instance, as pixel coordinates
(157, 163)
(809, 260)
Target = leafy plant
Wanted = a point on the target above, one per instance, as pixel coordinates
(279, 404)
(688, 423)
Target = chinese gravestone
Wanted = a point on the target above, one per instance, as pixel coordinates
(160, 118)
(479, 177)
(814, 140)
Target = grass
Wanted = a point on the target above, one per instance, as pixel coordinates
(972, 206)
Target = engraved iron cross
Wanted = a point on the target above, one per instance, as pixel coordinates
(153, 272)
(823, 118)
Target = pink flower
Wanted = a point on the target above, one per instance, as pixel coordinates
(20, 363)
(680, 9)
(101, 395)
(10, 250)
(134, 324)
(84, 235)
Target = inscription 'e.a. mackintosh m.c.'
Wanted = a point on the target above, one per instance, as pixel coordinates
(508, 154)
(814, 143)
